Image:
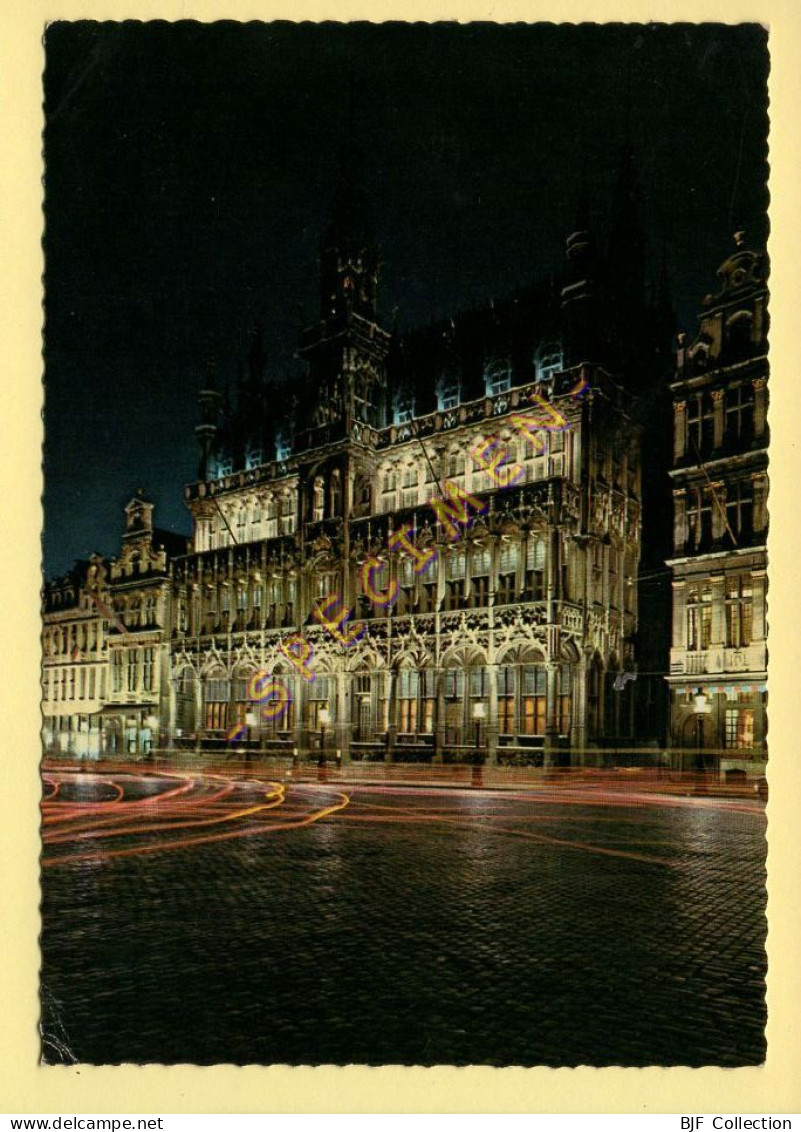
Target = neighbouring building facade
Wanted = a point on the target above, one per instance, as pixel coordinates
(75, 659)
(508, 647)
(106, 646)
(718, 659)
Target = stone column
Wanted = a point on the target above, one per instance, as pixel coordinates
(392, 720)
(344, 698)
(760, 579)
(492, 714)
(679, 608)
(760, 489)
(679, 521)
(551, 647)
(719, 418)
(439, 717)
(679, 429)
(718, 637)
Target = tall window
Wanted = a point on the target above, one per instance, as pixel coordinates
(116, 670)
(409, 486)
(241, 523)
(455, 465)
(318, 500)
(454, 684)
(408, 689)
(506, 701)
(148, 656)
(535, 569)
(739, 611)
(700, 425)
(556, 459)
(318, 698)
(699, 518)
(150, 610)
(480, 568)
(271, 519)
(131, 685)
(740, 509)
(455, 594)
(699, 617)
(428, 700)
(335, 493)
(507, 573)
(740, 414)
(216, 699)
(564, 700)
(533, 705)
(288, 514)
(132, 616)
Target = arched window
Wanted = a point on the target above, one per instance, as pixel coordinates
(271, 518)
(318, 500)
(497, 376)
(216, 691)
(335, 492)
(739, 336)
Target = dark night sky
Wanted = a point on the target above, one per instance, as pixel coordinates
(189, 170)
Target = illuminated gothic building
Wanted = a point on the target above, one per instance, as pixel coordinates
(509, 645)
(718, 657)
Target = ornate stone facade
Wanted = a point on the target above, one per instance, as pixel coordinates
(106, 648)
(720, 487)
(507, 647)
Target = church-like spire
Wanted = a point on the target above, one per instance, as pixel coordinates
(579, 309)
(348, 255)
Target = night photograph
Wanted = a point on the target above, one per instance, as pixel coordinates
(405, 544)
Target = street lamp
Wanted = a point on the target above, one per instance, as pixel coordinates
(479, 713)
(701, 706)
(325, 719)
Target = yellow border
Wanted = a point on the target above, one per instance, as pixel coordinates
(28, 1088)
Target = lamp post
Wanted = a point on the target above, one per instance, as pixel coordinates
(251, 721)
(701, 707)
(325, 719)
(479, 713)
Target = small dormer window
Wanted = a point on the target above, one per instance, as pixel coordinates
(498, 377)
(255, 456)
(448, 392)
(283, 447)
(549, 360)
(404, 409)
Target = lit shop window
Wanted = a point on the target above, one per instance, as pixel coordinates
(739, 728)
(533, 700)
(506, 700)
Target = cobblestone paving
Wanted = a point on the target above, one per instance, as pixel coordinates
(421, 928)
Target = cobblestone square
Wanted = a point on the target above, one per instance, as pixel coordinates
(415, 926)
